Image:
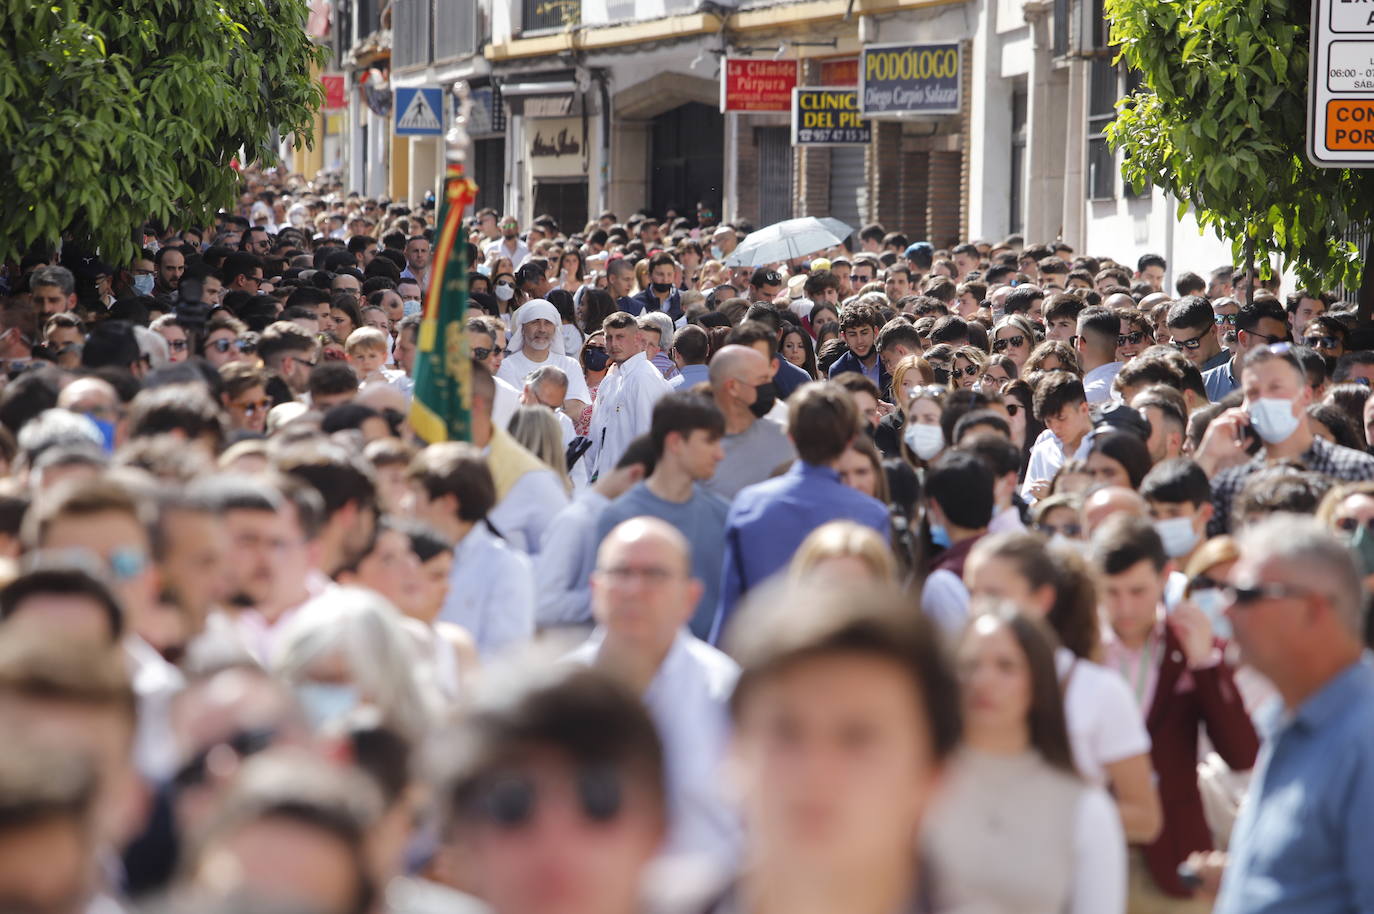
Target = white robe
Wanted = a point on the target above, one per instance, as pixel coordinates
(624, 410)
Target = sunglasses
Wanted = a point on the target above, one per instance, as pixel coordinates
(1246, 596)
(1205, 582)
(176, 345)
(1350, 525)
(1318, 342)
(481, 353)
(967, 371)
(252, 409)
(222, 346)
(1194, 343)
(511, 800)
(1015, 342)
(1072, 531)
(308, 363)
(243, 744)
(1225, 319)
(1133, 339)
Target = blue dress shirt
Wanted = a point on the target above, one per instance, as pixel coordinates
(1304, 840)
(769, 520)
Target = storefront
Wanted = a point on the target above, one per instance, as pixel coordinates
(559, 158)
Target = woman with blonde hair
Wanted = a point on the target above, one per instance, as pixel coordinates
(538, 430)
(967, 367)
(844, 552)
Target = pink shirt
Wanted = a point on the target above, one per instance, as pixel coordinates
(1140, 668)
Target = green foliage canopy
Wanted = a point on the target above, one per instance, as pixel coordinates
(1222, 126)
(116, 111)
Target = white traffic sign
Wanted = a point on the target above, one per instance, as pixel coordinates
(1340, 94)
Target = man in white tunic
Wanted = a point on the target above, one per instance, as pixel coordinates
(535, 342)
(625, 401)
(643, 593)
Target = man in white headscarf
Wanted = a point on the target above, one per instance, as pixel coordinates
(535, 342)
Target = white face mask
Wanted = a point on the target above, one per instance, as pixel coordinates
(716, 252)
(924, 440)
(411, 306)
(1178, 535)
(1273, 419)
(504, 293)
(143, 285)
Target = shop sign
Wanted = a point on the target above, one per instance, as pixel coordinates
(842, 72)
(757, 85)
(828, 116)
(557, 147)
(334, 95)
(1340, 95)
(910, 79)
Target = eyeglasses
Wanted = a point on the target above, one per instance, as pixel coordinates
(176, 345)
(933, 391)
(511, 800)
(1321, 342)
(143, 272)
(1194, 343)
(243, 744)
(1131, 338)
(1350, 525)
(620, 574)
(1225, 319)
(308, 363)
(252, 409)
(1205, 582)
(1072, 531)
(222, 346)
(1015, 342)
(1245, 596)
(967, 371)
(481, 354)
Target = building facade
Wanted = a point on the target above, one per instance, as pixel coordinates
(583, 106)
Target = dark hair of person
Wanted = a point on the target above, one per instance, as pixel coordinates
(1055, 391)
(1127, 449)
(809, 363)
(64, 580)
(458, 469)
(961, 485)
(185, 409)
(780, 631)
(1123, 541)
(1177, 481)
(589, 721)
(822, 421)
(684, 413)
(1049, 734)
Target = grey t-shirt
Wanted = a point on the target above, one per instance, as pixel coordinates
(751, 456)
(701, 519)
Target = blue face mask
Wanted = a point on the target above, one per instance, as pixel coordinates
(325, 702)
(940, 536)
(1212, 602)
(107, 433)
(143, 285)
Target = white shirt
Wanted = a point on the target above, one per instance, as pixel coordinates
(1104, 722)
(517, 366)
(565, 561)
(1097, 384)
(524, 513)
(517, 255)
(624, 410)
(504, 404)
(578, 471)
(688, 701)
(572, 341)
(1047, 456)
(155, 682)
(944, 598)
(490, 592)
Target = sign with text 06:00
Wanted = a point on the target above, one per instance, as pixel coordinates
(828, 116)
(910, 79)
(1340, 94)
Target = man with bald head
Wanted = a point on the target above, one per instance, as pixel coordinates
(97, 400)
(755, 446)
(643, 593)
(1105, 501)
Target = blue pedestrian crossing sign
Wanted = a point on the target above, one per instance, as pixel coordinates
(419, 112)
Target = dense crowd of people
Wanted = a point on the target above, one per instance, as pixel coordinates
(996, 578)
